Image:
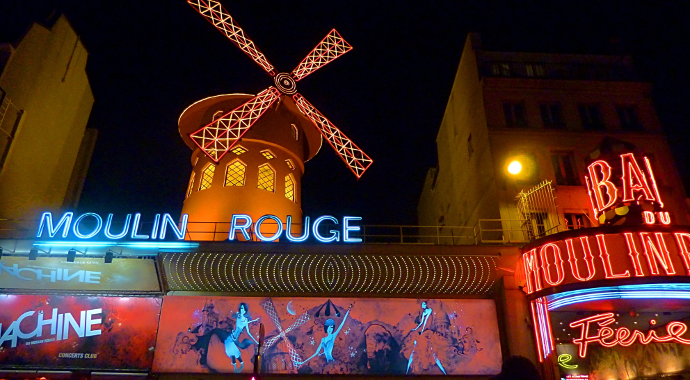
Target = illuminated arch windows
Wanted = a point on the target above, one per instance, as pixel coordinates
(290, 187)
(268, 154)
(290, 164)
(207, 177)
(239, 149)
(295, 132)
(234, 174)
(267, 178)
(191, 184)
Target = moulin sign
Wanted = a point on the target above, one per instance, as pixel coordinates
(90, 225)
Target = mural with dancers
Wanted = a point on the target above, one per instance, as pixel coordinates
(329, 336)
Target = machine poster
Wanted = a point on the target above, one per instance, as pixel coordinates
(39, 331)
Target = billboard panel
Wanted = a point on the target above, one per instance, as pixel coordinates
(329, 336)
(38, 331)
(46, 273)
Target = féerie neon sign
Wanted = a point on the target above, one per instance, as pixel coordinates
(608, 337)
(89, 225)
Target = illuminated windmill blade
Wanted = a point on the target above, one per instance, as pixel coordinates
(216, 138)
(221, 19)
(354, 157)
(330, 48)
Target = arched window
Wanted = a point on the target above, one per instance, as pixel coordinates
(295, 132)
(267, 178)
(239, 149)
(290, 187)
(207, 177)
(268, 154)
(191, 184)
(234, 174)
(290, 164)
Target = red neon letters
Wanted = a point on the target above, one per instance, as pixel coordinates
(620, 256)
(635, 183)
(634, 179)
(608, 337)
(602, 180)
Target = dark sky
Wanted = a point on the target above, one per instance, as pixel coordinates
(150, 59)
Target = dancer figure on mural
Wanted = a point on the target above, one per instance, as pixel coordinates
(327, 342)
(423, 317)
(232, 343)
(426, 356)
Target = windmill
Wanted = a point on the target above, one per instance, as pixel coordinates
(299, 321)
(220, 128)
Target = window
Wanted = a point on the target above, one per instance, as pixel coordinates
(502, 69)
(295, 132)
(290, 164)
(268, 154)
(628, 118)
(470, 148)
(515, 114)
(564, 169)
(591, 117)
(234, 174)
(289, 187)
(207, 177)
(551, 115)
(239, 149)
(266, 178)
(535, 70)
(575, 221)
(217, 114)
(191, 184)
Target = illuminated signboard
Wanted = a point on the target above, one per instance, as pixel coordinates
(329, 336)
(77, 332)
(82, 274)
(623, 190)
(606, 253)
(607, 336)
(89, 225)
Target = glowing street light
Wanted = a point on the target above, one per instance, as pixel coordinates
(515, 167)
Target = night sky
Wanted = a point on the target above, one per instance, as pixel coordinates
(150, 59)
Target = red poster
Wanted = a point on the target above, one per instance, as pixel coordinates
(329, 336)
(42, 331)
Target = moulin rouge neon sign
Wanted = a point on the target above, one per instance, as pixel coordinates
(634, 186)
(89, 225)
(618, 255)
(608, 337)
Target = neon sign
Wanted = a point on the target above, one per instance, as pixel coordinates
(614, 193)
(608, 337)
(89, 225)
(602, 256)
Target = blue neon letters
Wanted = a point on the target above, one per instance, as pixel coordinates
(325, 229)
(243, 224)
(83, 230)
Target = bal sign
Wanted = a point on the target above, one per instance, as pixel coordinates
(242, 224)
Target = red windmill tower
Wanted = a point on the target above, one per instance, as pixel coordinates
(249, 154)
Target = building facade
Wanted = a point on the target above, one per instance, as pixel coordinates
(45, 102)
(549, 112)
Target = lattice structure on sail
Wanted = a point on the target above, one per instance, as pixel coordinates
(330, 48)
(354, 157)
(221, 19)
(273, 315)
(218, 137)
